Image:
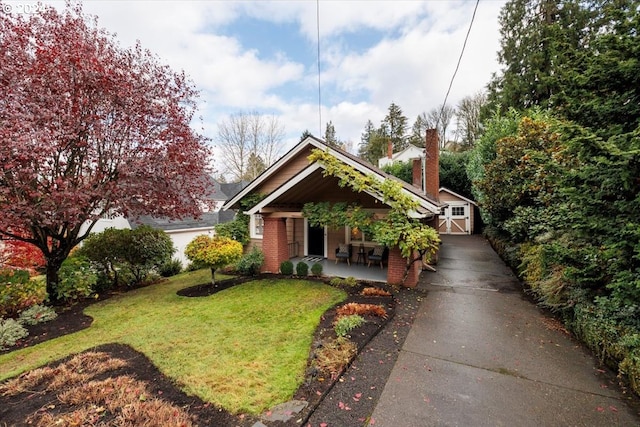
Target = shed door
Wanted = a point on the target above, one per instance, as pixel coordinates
(455, 219)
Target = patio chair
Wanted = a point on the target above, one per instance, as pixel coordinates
(379, 254)
(343, 251)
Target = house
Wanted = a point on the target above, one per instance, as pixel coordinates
(406, 155)
(182, 231)
(280, 230)
(458, 216)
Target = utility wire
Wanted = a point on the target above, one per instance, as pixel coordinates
(473, 17)
(319, 91)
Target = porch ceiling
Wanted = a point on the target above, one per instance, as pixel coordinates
(318, 188)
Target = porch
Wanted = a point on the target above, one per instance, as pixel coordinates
(341, 269)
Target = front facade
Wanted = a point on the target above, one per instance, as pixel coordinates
(279, 228)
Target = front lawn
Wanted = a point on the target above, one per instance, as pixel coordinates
(244, 349)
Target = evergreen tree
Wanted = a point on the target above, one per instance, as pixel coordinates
(330, 136)
(394, 126)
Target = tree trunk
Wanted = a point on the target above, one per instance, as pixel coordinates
(213, 276)
(53, 266)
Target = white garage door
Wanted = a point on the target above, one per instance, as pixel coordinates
(455, 219)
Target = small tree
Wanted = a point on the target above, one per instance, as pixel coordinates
(213, 252)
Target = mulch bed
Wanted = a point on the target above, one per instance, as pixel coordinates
(345, 399)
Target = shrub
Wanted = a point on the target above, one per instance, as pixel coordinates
(350, 282)
(362, 309)
(18, 292)
(316, 269)
(11, 331)
(334, 355)
(170, 268)
(250, 263)
(302, 268)
(37, 314)
(345, 324)
(375, 292)
(286, 267)
(76, 279)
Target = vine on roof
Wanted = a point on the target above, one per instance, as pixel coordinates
(397, 228)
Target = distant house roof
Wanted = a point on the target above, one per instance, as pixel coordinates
(218, 191)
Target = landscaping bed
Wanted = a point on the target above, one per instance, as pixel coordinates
(317, 388)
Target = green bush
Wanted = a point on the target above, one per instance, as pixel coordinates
(302, 268)
(286, 267)
(170, 268)
(18, 292)
(316, 269)
(37, 314)
(250, 263)
(346, 323)
(350, 282)
(134, 252)
(77, 279)
(11, 331)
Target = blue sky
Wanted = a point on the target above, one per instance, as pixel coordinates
(262, 55)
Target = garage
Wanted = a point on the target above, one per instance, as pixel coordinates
(457, 217)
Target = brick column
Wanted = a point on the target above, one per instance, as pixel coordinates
(397, 267)
(274, 244)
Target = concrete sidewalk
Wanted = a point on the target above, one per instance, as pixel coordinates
(479, 354)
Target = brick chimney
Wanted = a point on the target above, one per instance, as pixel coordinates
(389, 150)
(432, 165)
(416, 173)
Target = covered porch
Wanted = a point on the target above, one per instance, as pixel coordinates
(358, 271)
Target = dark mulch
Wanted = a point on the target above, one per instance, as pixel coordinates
(344, 400)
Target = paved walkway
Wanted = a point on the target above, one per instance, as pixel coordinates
(479, 354)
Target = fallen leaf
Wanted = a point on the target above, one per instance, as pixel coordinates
(600, 409)
(613, 408)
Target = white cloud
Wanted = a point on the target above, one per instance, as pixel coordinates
(409, 60)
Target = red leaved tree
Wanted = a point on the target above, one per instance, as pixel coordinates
(21, 255)
(88, 128)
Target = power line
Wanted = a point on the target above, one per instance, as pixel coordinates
(319, 91)
(473, 17)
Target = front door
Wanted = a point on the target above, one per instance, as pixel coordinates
(315, 240)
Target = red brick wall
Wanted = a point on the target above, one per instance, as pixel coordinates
(397, 267)
(274, 244)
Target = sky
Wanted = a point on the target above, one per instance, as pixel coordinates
(262, 56)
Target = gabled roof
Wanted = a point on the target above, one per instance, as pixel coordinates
(427, 204)
(459, 196)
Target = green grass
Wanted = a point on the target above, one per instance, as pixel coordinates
(244, 349)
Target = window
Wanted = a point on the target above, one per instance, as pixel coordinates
(257, 226)
(457, 211)
(357, 236)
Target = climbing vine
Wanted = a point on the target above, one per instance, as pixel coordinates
(398, 228)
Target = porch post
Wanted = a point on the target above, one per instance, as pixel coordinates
(274, 244)
(397, 267)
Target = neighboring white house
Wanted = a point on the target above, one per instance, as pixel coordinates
(184, 230)
(408, 154)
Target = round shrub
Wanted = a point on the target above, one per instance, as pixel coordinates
(286, 267)
(77, 279)
(316, 269)
(250, 264)
(11, 331)
(302, 268)
(170, 268)
(18, 292)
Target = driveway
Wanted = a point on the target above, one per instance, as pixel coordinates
(481, 354)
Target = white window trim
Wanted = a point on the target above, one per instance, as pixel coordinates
(252, 228)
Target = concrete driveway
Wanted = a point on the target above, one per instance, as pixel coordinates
(479, 354)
